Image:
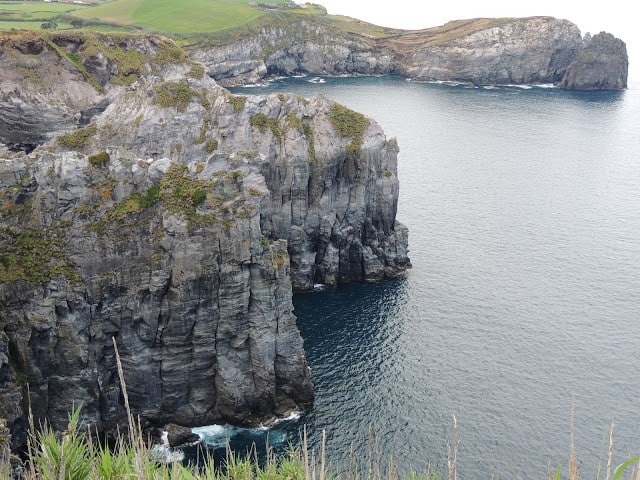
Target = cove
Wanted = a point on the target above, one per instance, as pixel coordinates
(523, 207)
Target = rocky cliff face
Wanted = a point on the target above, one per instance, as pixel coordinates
(601, 64)
(520, 51)
(176, 218)
(481, 51)
(291, 46)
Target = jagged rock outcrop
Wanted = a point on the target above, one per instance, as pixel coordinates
(601, 64)
(175, 220)
(292, 46)
(534, 50)
(492, 52)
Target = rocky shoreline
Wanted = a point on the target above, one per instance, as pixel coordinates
(534, 50)
(140, 201)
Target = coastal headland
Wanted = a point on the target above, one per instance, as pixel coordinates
(141, 201)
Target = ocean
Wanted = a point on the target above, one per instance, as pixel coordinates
(523, 208)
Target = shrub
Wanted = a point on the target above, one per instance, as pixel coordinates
(99, 160)
(237, 101)
(197, 71)
(79, 138)
(348, 123)
(175, 94)
(212, 145)
(262, 122)
(198, 197)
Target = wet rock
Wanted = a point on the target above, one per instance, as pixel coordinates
(178, 436)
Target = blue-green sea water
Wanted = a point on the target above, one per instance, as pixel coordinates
(523, 207)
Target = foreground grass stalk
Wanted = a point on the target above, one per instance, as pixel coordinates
(574, 469)
(610, 451)
(75, 455)
(452, 453)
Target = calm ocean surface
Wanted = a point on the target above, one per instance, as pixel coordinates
(523, 207)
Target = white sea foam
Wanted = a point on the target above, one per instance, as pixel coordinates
(162, 452)
(292, 417)
(214, 435)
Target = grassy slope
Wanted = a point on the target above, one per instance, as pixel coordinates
(176, 16)
(216, 21)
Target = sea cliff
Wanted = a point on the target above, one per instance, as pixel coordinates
(534, 50)
(142, 202)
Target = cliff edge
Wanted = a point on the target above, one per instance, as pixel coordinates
(482, 51)
(143, 202)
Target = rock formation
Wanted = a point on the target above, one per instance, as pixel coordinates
(601, 64)
(159, 210)
(535, 50)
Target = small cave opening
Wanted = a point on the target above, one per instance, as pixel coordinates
(17, 147)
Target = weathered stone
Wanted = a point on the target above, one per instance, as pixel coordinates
(534, 50)
(601, 64)
(178, 435)
(182, 240)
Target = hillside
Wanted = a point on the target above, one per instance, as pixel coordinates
(243, 42)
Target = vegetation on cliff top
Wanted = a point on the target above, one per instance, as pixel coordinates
(201, 21)
(350, 124)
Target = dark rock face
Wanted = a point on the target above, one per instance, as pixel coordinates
(177, 221)
(31, 112)
(302, 46)
(178, 435)
(531, 50)
(601, 64)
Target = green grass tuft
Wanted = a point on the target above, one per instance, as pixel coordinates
(175, 94)
(350, 124)
(99, 160)
(262, 122)
(78, 139)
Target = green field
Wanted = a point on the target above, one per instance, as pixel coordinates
(36, 7)
(168, 16)
(176, 16)
(183, 20)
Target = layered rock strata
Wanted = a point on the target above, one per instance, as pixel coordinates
(161, 211)
(534, 50)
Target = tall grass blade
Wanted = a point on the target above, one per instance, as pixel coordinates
(620, 469)
(610, 457)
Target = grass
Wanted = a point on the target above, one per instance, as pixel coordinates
(167, 16)
(350, 124)
(34, 256)
(78, 139)
(77, 456)
(177, 16)
(36, 7)
(262, 122)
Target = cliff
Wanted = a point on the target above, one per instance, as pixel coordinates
(535, 50)
(601, 64)
(141, 201)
